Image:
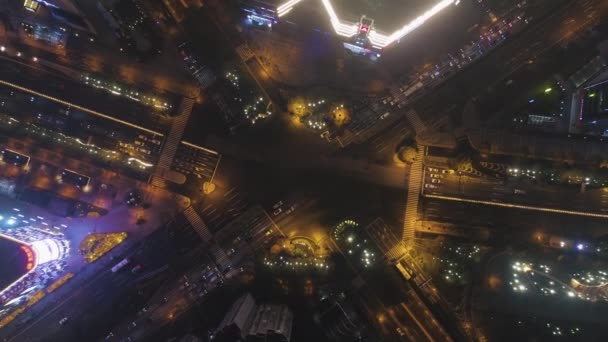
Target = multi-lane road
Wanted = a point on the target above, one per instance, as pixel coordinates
(516, 191)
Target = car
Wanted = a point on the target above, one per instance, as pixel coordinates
(64, 321)
(435, 180)
(133, 324)
(400, 332)
(137, 268)
(430, 186)
(277, 212)
(291, 209)
(109, 336)
(434, 175)
(447, 171)
(432, 169)
(384, 116)
(277, 205)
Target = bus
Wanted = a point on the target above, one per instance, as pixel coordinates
(124, 262)
(405, 271)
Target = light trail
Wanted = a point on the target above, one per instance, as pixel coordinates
(141, 162)
(518, 206)
(199, 147)
(90, 111)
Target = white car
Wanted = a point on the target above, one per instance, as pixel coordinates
(63, 321)
(435, 180)
(430, 186)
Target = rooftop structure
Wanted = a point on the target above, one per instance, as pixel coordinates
(271, 320)
(51, 21)
(347, 25)
(13, 261)
(589, 106)
(31, 257)
(239, 313)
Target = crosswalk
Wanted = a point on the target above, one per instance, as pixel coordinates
(175, 135)
(366, 124)
(413, 195)
(197, 223)
(220, 257)
(396, 252)
(383, 236)
(158, 182)
(414, 119)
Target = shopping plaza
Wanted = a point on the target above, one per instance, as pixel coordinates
(32, 255)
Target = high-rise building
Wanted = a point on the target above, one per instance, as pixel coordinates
(239, 313)
(249, 321)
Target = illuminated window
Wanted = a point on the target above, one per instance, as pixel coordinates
(31, 5)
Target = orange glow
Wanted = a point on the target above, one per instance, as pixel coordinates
(29, 255)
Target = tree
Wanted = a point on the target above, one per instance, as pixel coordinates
(340, 116)
(298, 106)
(463, 163)
(407, 154)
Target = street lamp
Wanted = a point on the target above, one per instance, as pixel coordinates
(209, 187)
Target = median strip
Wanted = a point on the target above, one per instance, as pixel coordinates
(518, 206)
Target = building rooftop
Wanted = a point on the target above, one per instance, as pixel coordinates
(12, 262)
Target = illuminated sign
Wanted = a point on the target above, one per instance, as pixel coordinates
(30, 257)
(377, 39)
